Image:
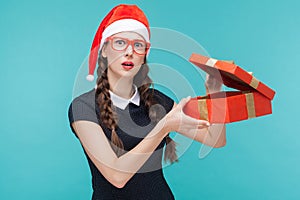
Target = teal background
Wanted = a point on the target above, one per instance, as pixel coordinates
(43, 43)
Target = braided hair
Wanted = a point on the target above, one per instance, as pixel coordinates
(108, 116)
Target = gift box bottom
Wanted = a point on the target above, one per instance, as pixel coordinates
(227, 107)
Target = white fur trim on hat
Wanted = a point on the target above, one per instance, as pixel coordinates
(125, 25)
(90, 77)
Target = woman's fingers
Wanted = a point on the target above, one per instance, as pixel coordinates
(189, 120)
(196, 122)
(213, 84)
(180, 122)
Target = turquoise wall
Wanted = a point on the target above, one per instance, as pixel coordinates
(44, 44)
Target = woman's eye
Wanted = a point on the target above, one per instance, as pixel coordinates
(120, 42)
(139, 44)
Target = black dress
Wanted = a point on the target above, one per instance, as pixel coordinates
(149, 182)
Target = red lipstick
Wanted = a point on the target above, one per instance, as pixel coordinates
(127, 65)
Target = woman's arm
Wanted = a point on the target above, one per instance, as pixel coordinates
(214, 135)
(119, 170)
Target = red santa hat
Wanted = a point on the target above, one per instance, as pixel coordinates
(120, 18)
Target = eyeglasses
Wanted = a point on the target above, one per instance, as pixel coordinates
(120, 44)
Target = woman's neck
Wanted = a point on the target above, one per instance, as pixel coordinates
(122, 87)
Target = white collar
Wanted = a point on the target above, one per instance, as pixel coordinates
(121, 102)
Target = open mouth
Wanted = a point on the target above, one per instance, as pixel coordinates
(127, 65)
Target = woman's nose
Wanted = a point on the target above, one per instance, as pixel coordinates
(129, 50)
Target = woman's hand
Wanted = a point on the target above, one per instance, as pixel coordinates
(214, 84)
(178, 121)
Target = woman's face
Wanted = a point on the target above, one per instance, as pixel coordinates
(123, 63)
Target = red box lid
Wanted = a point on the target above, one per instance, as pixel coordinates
(232, 75)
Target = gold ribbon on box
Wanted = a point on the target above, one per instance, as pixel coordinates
(250, 105)
(202, 107)
(203, 111)
(254, 82)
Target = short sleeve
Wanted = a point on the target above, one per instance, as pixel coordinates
(82, 110)
(79, 110)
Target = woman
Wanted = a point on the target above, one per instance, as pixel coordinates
(122, 123)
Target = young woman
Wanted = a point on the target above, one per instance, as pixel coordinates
(123, 124)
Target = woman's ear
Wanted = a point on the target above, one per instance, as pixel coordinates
(103, 51)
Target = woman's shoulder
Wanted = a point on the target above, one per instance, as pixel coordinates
(83, 107)
(87, 98)
(163, 99)
(159, 94)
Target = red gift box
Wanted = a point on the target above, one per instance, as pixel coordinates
(253, 99)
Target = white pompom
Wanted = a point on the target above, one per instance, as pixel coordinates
(90, 77)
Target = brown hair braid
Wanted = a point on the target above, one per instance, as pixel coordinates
(108, 115)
